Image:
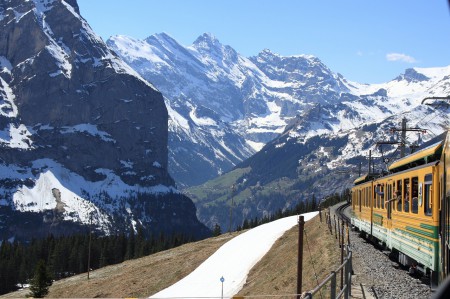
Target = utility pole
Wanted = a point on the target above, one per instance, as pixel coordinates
(301, 224)
(403, 131)
(89, 250)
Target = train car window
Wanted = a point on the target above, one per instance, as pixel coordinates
(362, 198)
(353, 200)
(427, 195)
(398, 195)
(382, 196)
(406, 195)
(363, 195)
(359, 199)
(388, 202)
(376, 203)
(367, 196)
(415, 195)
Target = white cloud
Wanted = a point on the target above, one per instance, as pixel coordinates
(400, 57)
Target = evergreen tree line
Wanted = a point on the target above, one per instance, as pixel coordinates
(68, 255)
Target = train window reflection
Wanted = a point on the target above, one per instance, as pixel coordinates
(427, 195)
(406, 195)
(415, 192)
(398, 195)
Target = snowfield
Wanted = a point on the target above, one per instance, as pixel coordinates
(232, 262)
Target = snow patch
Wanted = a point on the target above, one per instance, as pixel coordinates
(43, 5)
(62, 60)
(204, 282)
(7, 106)
(257, 146)
(89, 129)
(201, 121)
(16, 137)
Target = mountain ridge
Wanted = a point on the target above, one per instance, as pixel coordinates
(267, 93)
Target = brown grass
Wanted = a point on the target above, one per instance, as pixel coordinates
(275, 274)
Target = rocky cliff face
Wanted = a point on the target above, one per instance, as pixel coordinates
(83, 136)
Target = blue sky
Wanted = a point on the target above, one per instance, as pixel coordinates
(366, 41)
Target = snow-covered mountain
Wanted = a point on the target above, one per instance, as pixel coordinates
(320, 121)
(224, 107)
(83, 137)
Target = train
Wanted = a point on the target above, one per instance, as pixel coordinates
(407, 210)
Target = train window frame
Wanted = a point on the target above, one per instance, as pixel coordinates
(428, 195)
(376, 203)
(388, 202)
(368, 197)
(398, 194)
(415, 195)
(406, 195)
(359, 199)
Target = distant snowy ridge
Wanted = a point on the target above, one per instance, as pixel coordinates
(211, 89)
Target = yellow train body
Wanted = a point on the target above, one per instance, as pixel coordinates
(402, 209)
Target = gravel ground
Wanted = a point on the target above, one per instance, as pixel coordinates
(383, 277)
(373, 268)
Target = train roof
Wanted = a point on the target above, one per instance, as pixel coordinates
(424, 156)
(363, 179)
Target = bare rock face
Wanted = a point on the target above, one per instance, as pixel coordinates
(81, 133)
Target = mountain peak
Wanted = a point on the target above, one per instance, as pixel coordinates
(412, 75)
(163, 39)
(207, 41)
(163, 36)
(268, 55)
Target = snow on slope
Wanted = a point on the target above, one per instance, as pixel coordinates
(76, 196)
(233, 261)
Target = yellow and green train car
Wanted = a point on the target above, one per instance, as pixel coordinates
(404, 209)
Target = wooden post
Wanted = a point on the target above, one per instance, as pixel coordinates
(335, 226)
(301, 224)
(339, 229)
(348, 235)
(342, 254)
(89, 249)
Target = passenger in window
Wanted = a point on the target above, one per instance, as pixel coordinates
(407, 201)
(378, 190)
(415, 206)
(398, 197)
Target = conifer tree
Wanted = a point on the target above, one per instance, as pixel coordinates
(217, 231)
(41, 281)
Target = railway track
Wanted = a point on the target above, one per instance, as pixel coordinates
(340, 211)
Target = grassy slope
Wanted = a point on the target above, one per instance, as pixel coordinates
(274, 274)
